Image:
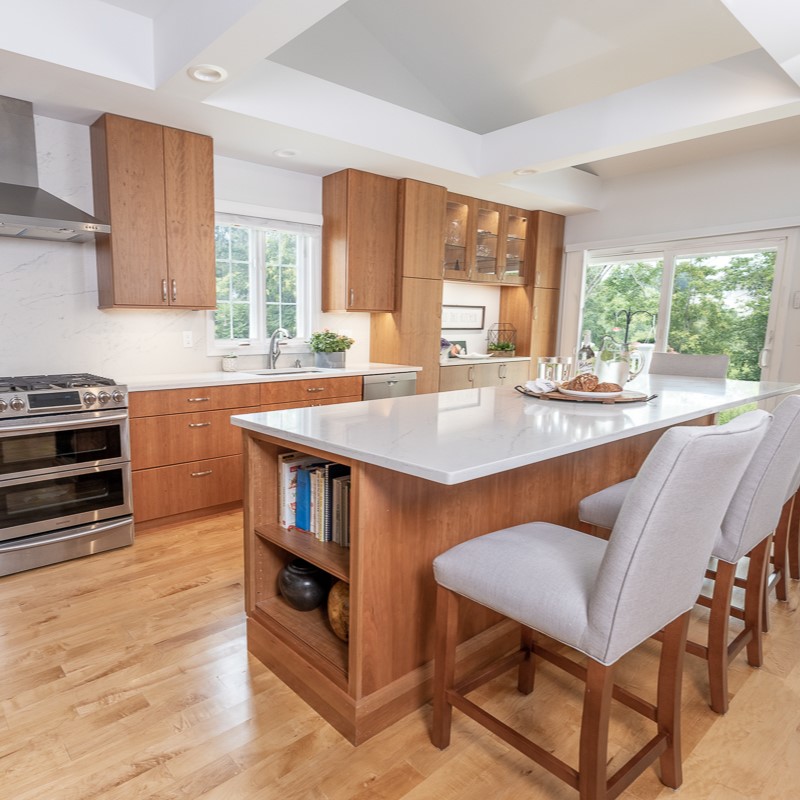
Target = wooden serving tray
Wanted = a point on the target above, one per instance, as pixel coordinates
(628, 396)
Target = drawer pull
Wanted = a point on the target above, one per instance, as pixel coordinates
(197, 399)
(316, 389)
(199, 424)
(174, 290)
(164, 291)
(202, 474)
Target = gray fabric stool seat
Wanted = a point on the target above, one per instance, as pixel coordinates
(755, 511)
(695, 366)
(601, 598)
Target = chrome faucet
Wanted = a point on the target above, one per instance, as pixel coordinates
(272, 351)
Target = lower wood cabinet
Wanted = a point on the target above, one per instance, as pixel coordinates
(186, 455)
(492, 373)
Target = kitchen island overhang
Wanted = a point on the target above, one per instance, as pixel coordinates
(428, 472)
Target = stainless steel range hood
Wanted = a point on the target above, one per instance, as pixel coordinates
(26, 211)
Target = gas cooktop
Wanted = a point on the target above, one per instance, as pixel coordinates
(35, 383)
(30, 395)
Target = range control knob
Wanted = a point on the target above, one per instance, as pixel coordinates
(3, 405)
(117, 396)
(17, 403)
(89, 398)
(103, 397)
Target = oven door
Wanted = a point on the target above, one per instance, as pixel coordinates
(44, 503)
(63, 442)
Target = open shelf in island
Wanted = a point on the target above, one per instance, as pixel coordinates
(331, 557)
(309, 631)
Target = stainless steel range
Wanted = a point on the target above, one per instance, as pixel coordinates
(65, 473)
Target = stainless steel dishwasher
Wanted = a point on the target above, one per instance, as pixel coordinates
(394, 384)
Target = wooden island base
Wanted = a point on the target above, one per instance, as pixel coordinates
(399, 524)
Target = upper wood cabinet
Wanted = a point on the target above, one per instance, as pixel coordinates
(421, 222)
(155, 186)
(459, 236)
(359, 232)
(515, 240)
(548, 235)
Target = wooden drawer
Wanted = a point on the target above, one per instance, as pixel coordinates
(297, 392)
(176, 438)
(204, 398)
(164, 491)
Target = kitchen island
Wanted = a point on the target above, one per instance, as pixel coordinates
(428, 472)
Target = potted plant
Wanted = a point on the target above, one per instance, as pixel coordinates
(505, 349)
(329, 348)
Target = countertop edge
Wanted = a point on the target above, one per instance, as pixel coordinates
(146, 383)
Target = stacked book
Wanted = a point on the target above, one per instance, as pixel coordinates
(314, 496)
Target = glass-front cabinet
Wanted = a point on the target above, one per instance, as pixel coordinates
(458, 234)
(487, 237)
(485, 242)
(514, 236)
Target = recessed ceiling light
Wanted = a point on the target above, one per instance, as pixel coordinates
(207, 73)
(525, 171)
(285, 153)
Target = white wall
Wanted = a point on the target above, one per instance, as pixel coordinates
(48, 308)
(470, 294)
(752, 192)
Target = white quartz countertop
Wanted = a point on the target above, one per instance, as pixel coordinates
(453, 437)
(141, 383)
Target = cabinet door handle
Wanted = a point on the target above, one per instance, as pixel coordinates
(316, 389)
(471, 374)
(352, 297)
(174, 290)
(535, 313)
(202, 474)
(164, 290)
(199, 424)
(502, 370)
(197, 399)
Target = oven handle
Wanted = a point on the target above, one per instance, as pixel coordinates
(29, 542)
(31, 425)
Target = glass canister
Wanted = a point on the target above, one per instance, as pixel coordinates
(229, 362)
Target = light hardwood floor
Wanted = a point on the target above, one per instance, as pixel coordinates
(125, 675)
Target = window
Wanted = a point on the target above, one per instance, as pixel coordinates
(263, 270)
(719, 295)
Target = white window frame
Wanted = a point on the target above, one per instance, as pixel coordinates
(308, 270)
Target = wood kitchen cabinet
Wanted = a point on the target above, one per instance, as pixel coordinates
(491, 373)
(155, 186)
(548, 234)
(533, 309)
(412, 332)
(186, 456)
(358, 241)
(459, 237)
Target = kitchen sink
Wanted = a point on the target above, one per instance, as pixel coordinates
(284, 371)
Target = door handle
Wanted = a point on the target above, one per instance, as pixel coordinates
(174, 290)
(763, 358)
(164, 290)
(199, 424)
(202, 474)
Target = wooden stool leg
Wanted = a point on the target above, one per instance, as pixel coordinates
(527, 669)
(718, 636)
(794, 539)
(754, 593)
(444, 665)
(781, 550)
(592, 780)
(668, 711)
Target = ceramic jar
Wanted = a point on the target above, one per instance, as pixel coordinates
(302, 585)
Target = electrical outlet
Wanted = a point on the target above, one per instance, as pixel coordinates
(187, 339)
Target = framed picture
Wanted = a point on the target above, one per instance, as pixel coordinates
(463, 318)
(459, 346)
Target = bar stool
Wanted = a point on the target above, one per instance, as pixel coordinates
(601, 598)
(746, 531)
(695, 366)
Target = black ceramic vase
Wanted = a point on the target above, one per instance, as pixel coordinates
(302, 585)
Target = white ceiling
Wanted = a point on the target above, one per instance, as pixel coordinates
(457, 92)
